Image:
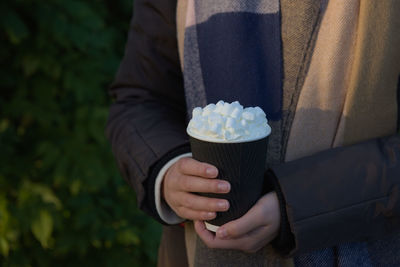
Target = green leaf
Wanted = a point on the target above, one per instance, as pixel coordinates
(4, 124)
(128, 237)
(42, 228)
(4, 216)
(14, 27)
(75, 187)
(45, 193)
(30, 65)
(4, 247)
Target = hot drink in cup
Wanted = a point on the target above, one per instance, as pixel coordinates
(233, 139)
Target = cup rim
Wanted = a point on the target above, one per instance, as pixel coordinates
(215, 140)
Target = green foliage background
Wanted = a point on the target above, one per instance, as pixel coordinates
(62, 200)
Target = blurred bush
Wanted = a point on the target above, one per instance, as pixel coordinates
(62, 200)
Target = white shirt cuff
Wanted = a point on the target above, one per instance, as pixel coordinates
(165, 212)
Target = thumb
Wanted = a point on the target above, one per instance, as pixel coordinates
(245, 224)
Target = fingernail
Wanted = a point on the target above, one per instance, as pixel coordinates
(211, 171)
(223, 186)
(221, 232)
(210, 215)
(222, 205)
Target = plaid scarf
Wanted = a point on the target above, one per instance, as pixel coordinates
(260, 52)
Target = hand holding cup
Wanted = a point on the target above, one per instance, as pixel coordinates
(187, 177)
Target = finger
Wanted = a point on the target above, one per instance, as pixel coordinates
(200, 203)
(253, 219)
(205, 235)
(248, 243)
(196, 214)
(197, 184)
(267, 232)
(256, 239)
(193, 167)
(212, 241)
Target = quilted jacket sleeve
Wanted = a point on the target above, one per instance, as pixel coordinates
(340, 195)
(146, 124)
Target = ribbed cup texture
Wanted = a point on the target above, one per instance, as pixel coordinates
(242, 165)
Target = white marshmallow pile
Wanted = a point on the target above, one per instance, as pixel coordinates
(228, 122)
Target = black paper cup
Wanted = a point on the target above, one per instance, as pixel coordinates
(242, 164)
